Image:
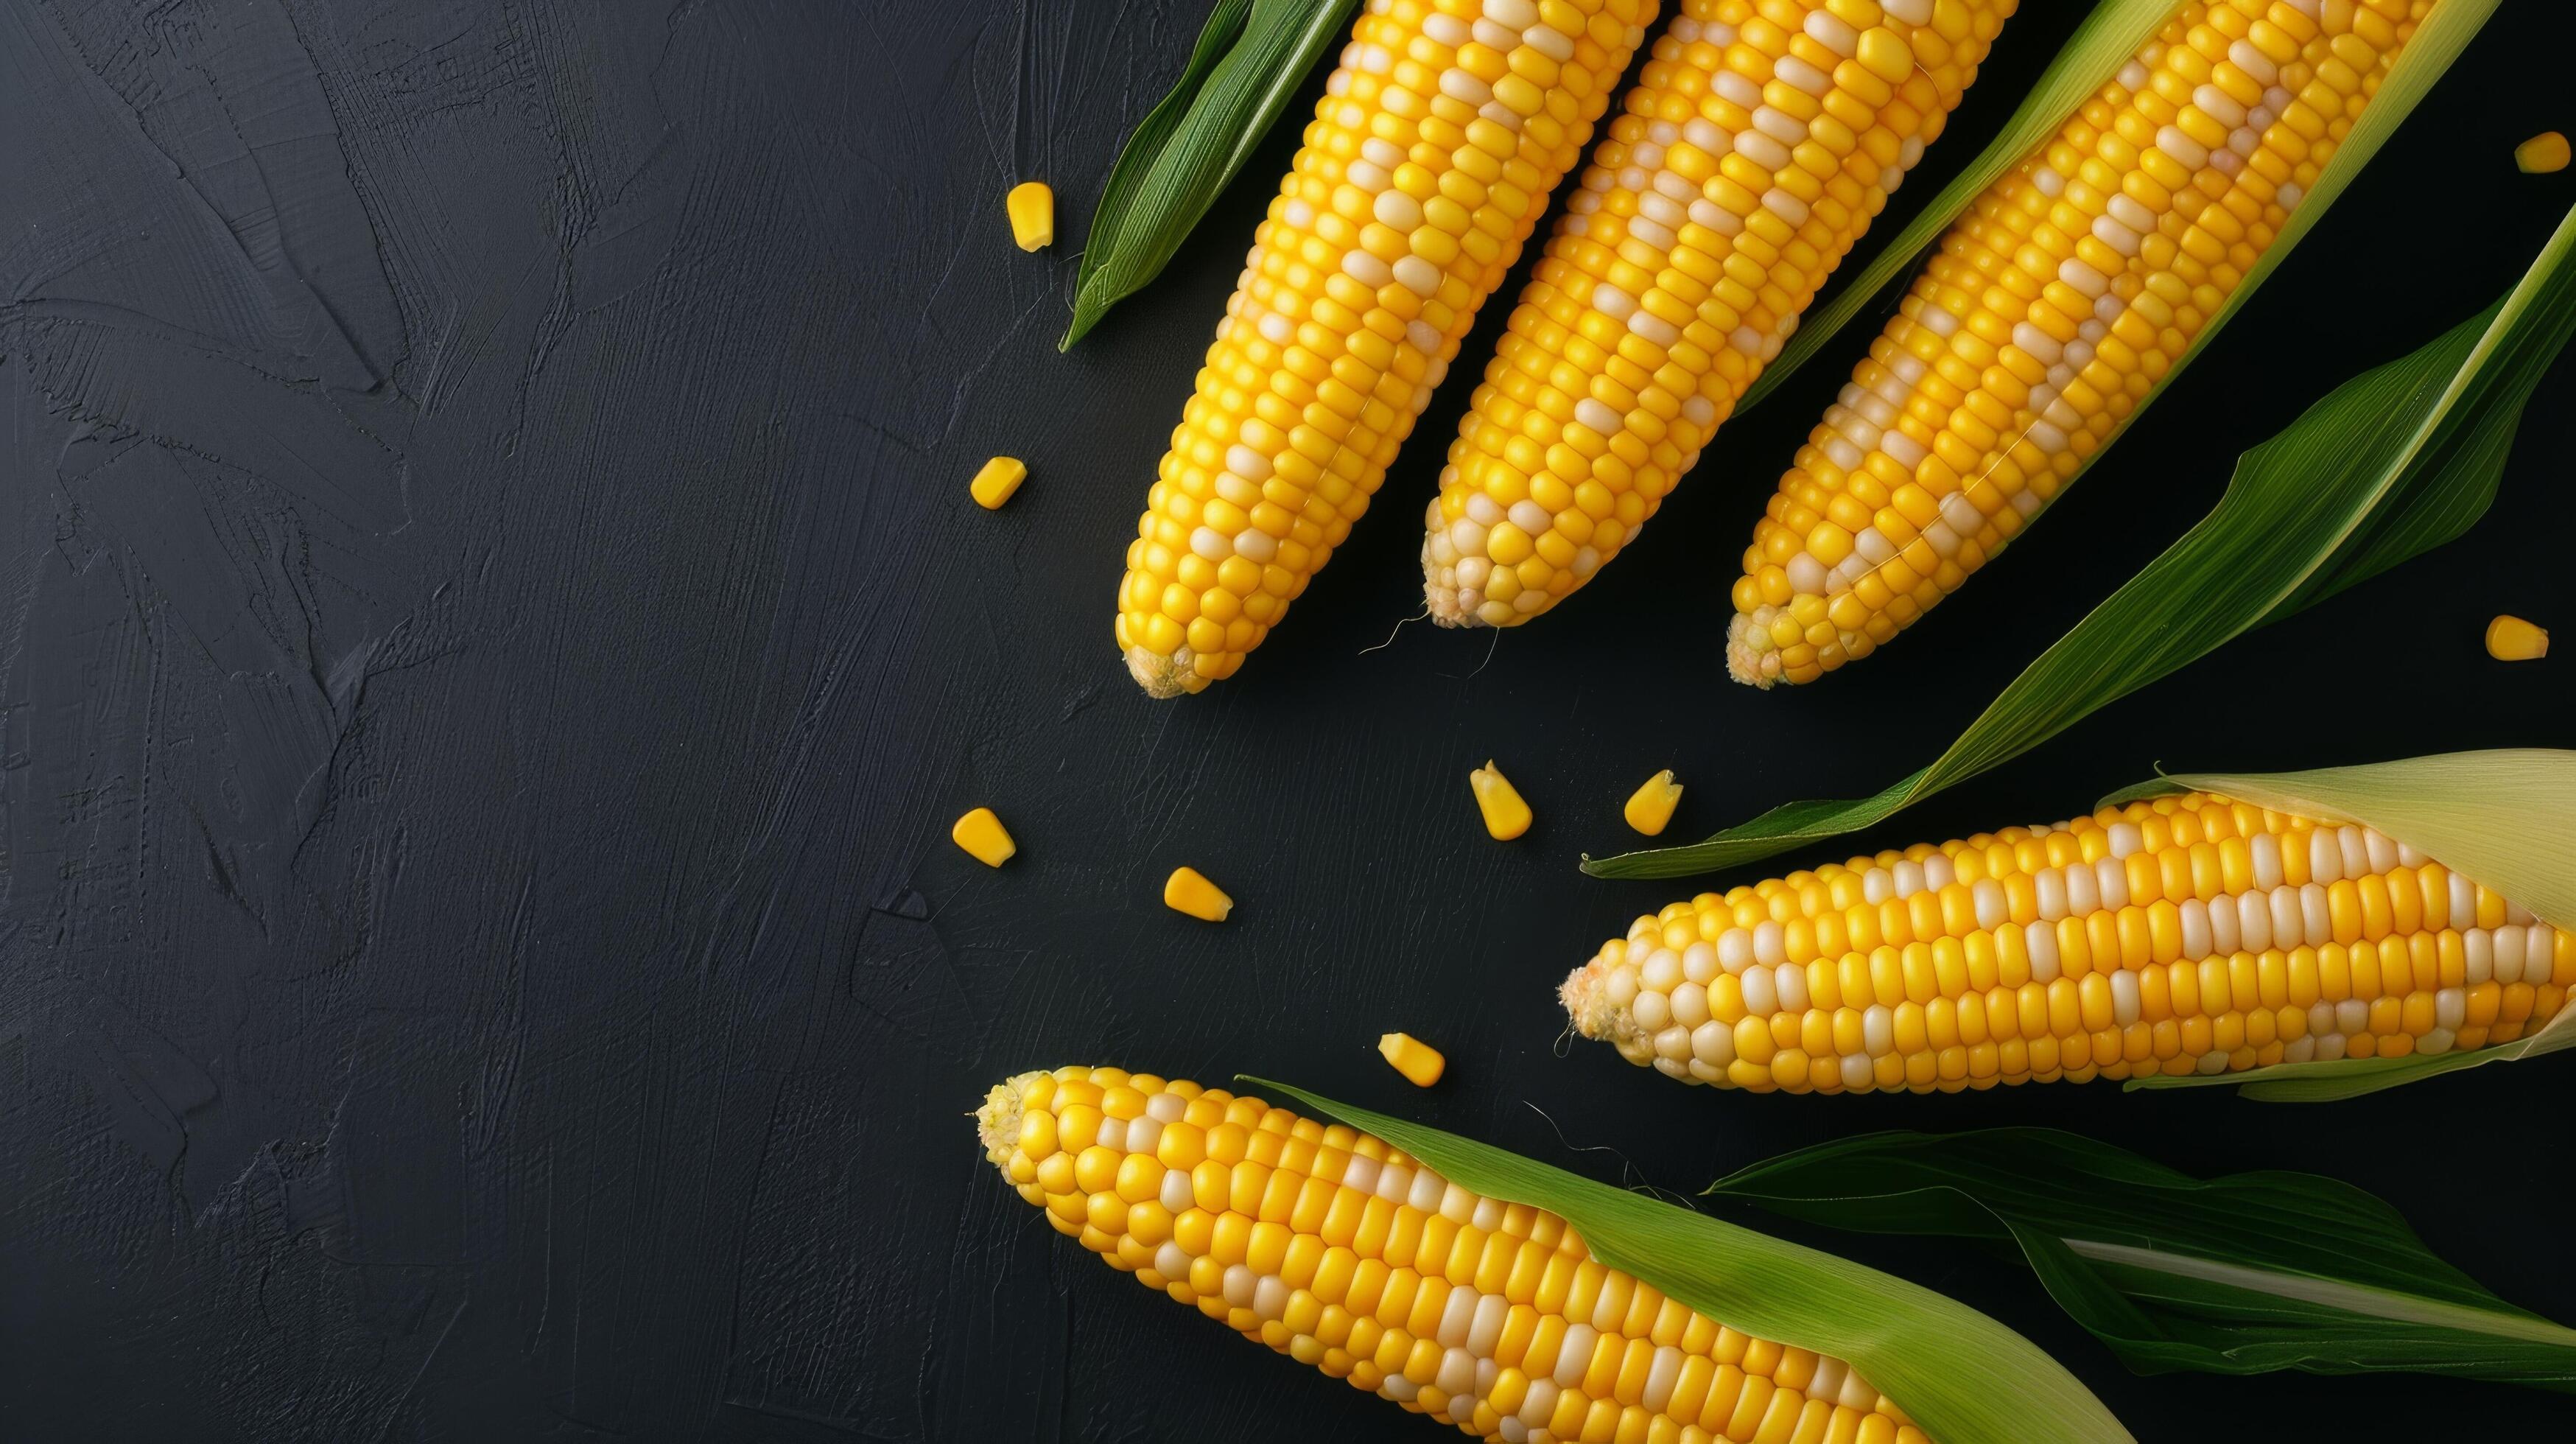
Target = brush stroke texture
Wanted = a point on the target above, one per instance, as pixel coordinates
(492, 636)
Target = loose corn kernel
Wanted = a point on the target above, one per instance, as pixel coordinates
(2542, 154)
(2048, 311)
(983, 836)
(1187, 891)
(2184, 935)
(1506, 815)
(994, 484)
(2511, 639)
(1416, 1060)
(1032, 208)
(1376, 1269)
(1651, 806)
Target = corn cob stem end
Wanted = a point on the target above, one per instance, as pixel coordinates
(1163, 676)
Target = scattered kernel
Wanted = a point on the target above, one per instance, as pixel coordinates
(1186, 891)
(982, 834)
(1032, 207)
(1651, 806)
(1418, 1061)
(1000, 477)
(2511, 639)
(2542, 153)
(1506, 815)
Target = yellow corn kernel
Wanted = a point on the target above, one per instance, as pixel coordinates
(2541, 154)
(994, 484)
(1651, 806)
(2186, 934)
(1187, 891)
(2511, 639)
(1313, 1255)
(1506, 815)
(1418, 1061)
(984, 838)
(1032, 208)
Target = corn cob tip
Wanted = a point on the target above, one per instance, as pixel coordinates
(997, 1123)
(1743, 660)
(1163, 676)
(1443, 588)
(1589, 1008)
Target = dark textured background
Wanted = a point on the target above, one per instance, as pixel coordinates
(493, 634)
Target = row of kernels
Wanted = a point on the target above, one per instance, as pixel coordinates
(1729, 1026)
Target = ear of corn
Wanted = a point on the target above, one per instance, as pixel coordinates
(2189, 934)
(1431, 154)
(1348, 1255)
(1757, 146)
(2048, 315)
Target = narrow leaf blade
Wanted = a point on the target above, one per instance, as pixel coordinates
(1237, 85)
(1110, 218)
(1964, 1378)
(2242, 1274)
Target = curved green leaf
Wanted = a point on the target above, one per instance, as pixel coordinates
(2506, 818)
(1250, 58)
(2237, 1275)
(2396, 460)
(1964, 1378)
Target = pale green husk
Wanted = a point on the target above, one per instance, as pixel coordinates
(2108, 38)
(1964, 1378)
(2392, 463)
(2504, 818)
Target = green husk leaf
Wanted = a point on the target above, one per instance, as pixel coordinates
(1250, 58)
(2394, 461)
(2243, 1274)
(2091, 56)
(2105, 42)
(2506, 818)
(1965, 1378)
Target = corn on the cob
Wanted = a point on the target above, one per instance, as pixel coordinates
(1431, 154)
(1757, 145)
(2051, 310)
(1344, 1253)
(2187, 934)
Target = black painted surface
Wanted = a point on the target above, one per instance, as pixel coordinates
(493, 634)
